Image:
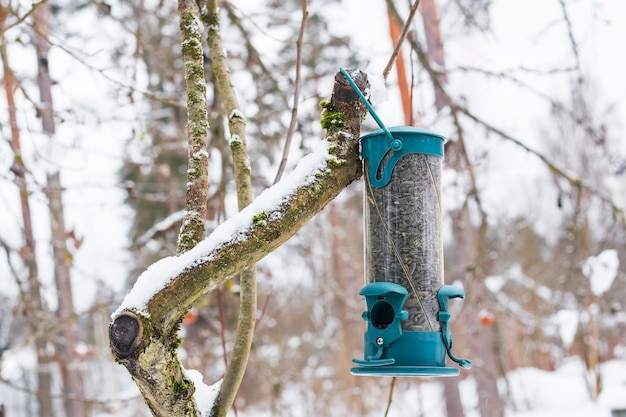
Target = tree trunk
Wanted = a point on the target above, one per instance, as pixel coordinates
(481, 339)
(482, 343)
(34, 312)
(581, 231)
(67, 334)
(452, 397)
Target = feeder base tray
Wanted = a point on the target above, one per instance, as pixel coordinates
(404, 371)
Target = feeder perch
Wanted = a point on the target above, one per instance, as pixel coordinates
(407, 304)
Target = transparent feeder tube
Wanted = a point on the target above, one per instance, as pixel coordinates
(403, 242)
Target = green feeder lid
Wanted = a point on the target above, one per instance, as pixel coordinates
(377, 147)
(398, 141)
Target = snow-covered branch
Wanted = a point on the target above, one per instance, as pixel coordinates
(143, 330)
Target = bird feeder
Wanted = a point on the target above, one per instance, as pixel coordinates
(407, 304)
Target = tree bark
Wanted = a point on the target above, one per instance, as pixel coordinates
(34, 311)
(452, 397)
(67, 335)
(145, 340)
(243, 183)
(481, 339)
(192, 229)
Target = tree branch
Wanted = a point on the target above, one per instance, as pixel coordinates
(405, 30)
(456, 108)
(22, 18)
(243, 184)
(192, 229)
(143, 331)
(296, 93)
(76, 56)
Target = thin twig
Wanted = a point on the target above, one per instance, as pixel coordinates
(130, 88)
(220, 311)
(266, 304)
(296, 94)
(390, 398)
(570, 33)
(252, 50)
(405, 30)
(26, 15)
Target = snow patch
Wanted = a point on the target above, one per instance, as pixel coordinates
(236, 113)
(161, 226)
(494, 283)
(204, 394)
(234, 139)
(567, 323)
(378, 90)
(601, 270)
(201, 153)
(616, 184)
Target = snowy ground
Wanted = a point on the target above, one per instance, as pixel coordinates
(534, 393)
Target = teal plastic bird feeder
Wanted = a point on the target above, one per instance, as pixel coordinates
(407, 304)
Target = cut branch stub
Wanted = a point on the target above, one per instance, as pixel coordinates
(125, 334)
(345, 102)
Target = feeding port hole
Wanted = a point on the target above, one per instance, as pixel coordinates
(383, 314)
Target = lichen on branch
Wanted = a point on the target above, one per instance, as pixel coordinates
(192, 229)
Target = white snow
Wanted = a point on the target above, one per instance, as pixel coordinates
(601, 270)
(378, 90)
(236, 113)
(160, 273)
(533, 393)
(234, 139)
(567, 324)
(205, 394)
(616, 184)
(164, 224)
(201, 153)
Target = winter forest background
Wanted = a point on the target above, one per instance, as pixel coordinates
(92, 183)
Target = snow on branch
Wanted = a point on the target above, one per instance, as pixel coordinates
(266, 208)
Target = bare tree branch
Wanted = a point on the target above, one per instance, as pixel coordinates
(552, 166)
(68, 334)
(296, 93)
(573, 180)
(390, 397)
(22, 18)
(403, 34)
(570, 33)
(103, 73)
(243, 184)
